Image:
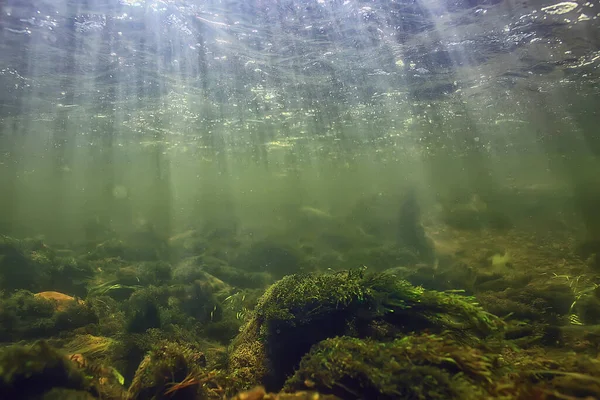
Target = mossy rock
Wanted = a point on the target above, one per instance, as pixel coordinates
(170, 371)
(414, 367)
(32, 371)
(24, 316)
(302, 310)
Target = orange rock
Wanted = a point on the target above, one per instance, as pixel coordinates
(61, 300)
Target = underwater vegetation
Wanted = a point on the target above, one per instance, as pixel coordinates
(333, 312)
(299, 311)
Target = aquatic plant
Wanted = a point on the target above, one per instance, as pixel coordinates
(585, 301)
(88, 345)
(113, 289)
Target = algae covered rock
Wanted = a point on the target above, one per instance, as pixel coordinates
(170, 371)
(60, 301)
(302, 310)
(24, 315)
(414, 367)
(39, 370)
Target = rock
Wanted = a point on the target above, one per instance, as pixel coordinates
(62, 301)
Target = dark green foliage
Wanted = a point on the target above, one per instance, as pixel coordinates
(23, 316)
(30, 372)
(415, 367)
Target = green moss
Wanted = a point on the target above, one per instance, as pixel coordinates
(29, 372)
(415, 367)
(299, 299)
(301, 310)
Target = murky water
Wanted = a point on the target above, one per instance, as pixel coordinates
(122, 110)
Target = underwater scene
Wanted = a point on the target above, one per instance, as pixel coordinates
(299, 199)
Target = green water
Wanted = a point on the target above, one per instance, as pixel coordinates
(173, 114)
